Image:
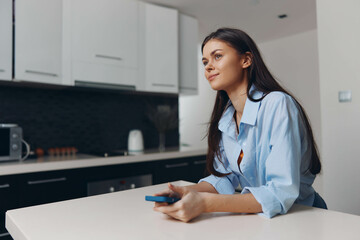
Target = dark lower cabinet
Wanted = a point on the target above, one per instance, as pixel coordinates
(5, 236)
(48, 187)
(188, 169)
(198, 169)
(172, 170)
(8, 200)
(23, 190)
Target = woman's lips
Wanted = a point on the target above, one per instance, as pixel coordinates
(211, 77)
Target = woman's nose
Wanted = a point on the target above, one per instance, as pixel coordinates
(209, 67)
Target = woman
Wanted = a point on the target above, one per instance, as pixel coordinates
(259, 138)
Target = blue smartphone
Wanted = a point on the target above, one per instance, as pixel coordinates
(161, 199)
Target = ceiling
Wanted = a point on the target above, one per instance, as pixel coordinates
(259, 18)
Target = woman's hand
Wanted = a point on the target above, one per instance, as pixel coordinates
(190, 206)
(168, 193)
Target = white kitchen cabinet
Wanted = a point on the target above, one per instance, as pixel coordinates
(104, 42)
(38, 41)
(6, 39)
(158, 49)
(188, 55)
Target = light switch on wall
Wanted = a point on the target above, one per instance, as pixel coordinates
(345, 96)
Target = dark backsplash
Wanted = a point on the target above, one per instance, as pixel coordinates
(88, 119)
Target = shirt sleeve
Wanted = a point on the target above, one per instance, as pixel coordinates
(226, 184)
(282, 166)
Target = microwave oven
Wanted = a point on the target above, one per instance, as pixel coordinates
(10, 142)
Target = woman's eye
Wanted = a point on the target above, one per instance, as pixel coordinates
(217, 56)
(204, 63)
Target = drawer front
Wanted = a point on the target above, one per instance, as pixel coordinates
(190, 169)
(198, 169)
(8, 201)
(172, 170)
(5, 236)
(47, 187)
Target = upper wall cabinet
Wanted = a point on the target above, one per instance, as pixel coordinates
(188, 47)
(6, 39)
(158, 49)
(38, 41)
(124, 44)
(104, 42)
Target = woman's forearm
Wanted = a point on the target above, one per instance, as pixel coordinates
(194, 202)
(202, 187)
(239, 203)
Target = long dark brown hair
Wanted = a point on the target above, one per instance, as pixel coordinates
(262, 79)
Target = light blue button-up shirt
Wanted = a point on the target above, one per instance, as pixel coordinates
(274, 168)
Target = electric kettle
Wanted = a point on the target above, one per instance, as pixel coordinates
(135, 142)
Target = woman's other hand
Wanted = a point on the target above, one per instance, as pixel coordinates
(190, 206)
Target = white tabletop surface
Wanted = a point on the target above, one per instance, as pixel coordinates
(126, 215)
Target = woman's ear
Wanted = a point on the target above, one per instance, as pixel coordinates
(247, 61)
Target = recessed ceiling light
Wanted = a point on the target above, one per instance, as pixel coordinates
(254, 2)
(281, 16)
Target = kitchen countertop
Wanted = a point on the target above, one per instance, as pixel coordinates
(126, 215)
(83, 160)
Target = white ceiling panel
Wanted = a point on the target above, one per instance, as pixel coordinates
(259, 18)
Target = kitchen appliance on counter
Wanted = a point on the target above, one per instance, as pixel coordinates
(10, 142)
(135, 142)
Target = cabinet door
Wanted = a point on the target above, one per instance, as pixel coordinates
(105, 41)
(159, 48)
(172, 170)
(38, 40)
(198, 168)
(190, 169)
(8, 200)
(6, 39)
(47, 187)
(188, 55)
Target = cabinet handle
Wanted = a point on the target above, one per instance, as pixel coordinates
(104, 85)
(199, 162)
(5, 185)
(176, 165)
(2, 70)
(4, 234)
(108, 57)
(41, 73)
(188, 88)
(163, 85)
(47, 181)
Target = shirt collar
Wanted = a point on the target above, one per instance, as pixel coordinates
(249, 115)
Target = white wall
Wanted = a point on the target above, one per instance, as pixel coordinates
(293, 61)
(339, 51)
(195, 111)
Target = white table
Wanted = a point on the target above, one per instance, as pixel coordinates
(126, 215)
